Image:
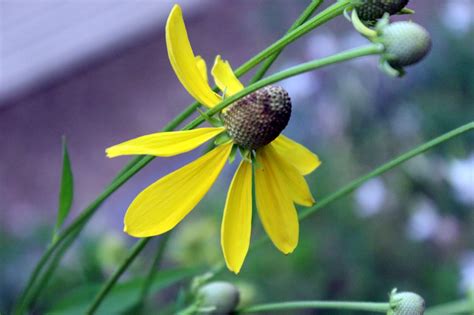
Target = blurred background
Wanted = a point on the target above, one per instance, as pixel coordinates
(98, 73)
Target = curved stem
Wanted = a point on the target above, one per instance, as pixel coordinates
(335, 305)
(360, 27)
(137, 248)
(155, 265)
(386, 167)
(328, 14)
(36, 291)
(371, 49)
(313, 6)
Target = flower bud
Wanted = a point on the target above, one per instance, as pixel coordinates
(258, 118)
(371, 10)
(406, 303)
(218, 297)
(405, 43)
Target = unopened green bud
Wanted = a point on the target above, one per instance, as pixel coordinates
(371, 10)
(218, 297)
(405, 43)
(406, 303)
(258, 118)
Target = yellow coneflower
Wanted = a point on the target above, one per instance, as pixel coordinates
(252, 124)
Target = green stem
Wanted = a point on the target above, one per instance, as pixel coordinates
(458, 307)
(137, 248)
(386, 167)
(313, 6)
(77, 225)
(335, 305)
(326, 15)
(155, 265)
(371, 49)
(36, 291)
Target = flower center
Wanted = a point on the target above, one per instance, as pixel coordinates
(370, 10)
(258, 118)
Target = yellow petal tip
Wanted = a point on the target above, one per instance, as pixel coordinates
(176, 7)
(217, 60)
(234, 269)
(109, 153)
(289, 250)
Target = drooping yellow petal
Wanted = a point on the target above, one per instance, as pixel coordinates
(183, 61)
(163, 204)
(201, 65)
(274, 204)
(164, 143)
(237, 219)
(293, 181)
(225, 78)
(296, 154)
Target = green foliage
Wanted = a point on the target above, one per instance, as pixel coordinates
(122, 297)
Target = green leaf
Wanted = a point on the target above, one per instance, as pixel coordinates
(66, 190)
(122, 297)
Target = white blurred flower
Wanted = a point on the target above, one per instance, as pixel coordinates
(460, 174)
(467, 272)
(406, 121)
(330, 117)
(322, 45)
(301, 86)
(371, 197)
(424, 222)
(448, 231)
(458, 15)
(353, 39)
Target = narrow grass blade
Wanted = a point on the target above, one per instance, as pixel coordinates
(66, 190)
